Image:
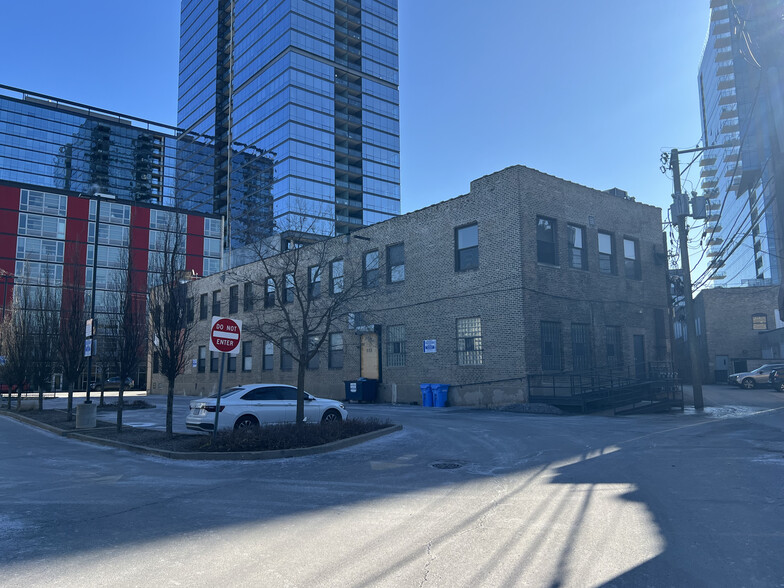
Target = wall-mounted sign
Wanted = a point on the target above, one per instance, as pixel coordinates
(429, 346)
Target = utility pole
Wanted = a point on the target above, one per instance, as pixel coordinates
(680, 210)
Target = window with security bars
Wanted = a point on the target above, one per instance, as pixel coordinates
(551, 345)
(581, 346)
(612, 339)
(396, 346)
(469, 341)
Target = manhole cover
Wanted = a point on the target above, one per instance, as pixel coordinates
(449, 465)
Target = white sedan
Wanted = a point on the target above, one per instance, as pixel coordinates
(252, 405)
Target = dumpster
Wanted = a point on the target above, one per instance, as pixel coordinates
(361, 390)
(368, 389)
(427, 394)
(352, 391)
(440, 392)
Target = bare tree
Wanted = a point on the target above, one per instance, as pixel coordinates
(170, 330)
(45, 331)
(72, 338)
(17, 338)
(125, 335)
(311, 288)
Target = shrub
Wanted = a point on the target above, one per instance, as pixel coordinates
(290, 436)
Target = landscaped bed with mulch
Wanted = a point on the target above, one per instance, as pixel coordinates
(269, 437)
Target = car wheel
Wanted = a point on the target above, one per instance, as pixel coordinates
(780, 386)
(748, 383)
(246, 422)
(331, 416)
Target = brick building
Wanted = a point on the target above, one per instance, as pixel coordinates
(527, 273)
(730, 325)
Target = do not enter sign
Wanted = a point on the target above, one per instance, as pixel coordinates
(225, 335)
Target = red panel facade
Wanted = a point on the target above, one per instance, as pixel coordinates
(75, 242)
(140, 243)
(194, 248)
(9, 226)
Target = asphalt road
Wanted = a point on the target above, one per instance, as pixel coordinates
(459, 497)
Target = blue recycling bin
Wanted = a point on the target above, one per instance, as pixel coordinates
(427, 394)
(440, 393)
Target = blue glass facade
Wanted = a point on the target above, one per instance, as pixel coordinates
(740, 88)
(313, 82)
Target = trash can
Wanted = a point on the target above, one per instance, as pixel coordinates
(368, 389)
(440, 392)
(352, 391)
(427, 394)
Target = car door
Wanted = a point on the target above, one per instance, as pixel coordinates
(265, 404)
(289, 396)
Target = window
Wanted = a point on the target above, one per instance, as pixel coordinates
(581, 346)
(247, 356)
(396, 264)
(551, 345)
(268, 357)
(190, 310)
(578, 257)
(213, 361)
(234, 299)
(336, 276)
(546, 251)
(202, 307)
(396, 346)
(612, 338)
(216, 307)
(336, 350)
(469, 341)
(631, 259)
(247, 296)
(606, 253)
(202, 360)
(759, 322)
(231, 363)
(314, 282)
(370, 275)
(289, 280)
(286, 359)
(466, 248)
(314, 363)
(269, 293)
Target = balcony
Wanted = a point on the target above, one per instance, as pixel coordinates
(352, 118)
(707, 161)
(354, 85)
(708, 172)
(350, 100)
(348, 134)
(341, 29)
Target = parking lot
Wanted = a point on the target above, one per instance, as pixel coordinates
(459, 497)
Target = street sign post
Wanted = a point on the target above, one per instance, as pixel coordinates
(225, 337)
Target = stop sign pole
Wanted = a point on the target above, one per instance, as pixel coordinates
(225, 336)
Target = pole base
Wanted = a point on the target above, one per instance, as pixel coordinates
(86, 416)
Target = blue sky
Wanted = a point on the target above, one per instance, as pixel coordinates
(587, 91)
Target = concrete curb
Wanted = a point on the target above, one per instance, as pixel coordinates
(208, 455)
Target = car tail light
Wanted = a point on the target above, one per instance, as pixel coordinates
(212, 408)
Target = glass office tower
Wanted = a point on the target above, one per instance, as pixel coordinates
(740, 84)
(311, 84)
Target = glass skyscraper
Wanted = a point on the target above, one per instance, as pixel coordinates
(740, 84)
(311, 84)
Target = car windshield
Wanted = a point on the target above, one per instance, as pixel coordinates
(227, 392)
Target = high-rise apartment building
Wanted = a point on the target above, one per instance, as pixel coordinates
(312, 84)
(742, 107)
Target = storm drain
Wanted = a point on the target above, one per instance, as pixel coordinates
(446, 465)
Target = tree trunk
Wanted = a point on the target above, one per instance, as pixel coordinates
(10, 393)
(40, 397)
(119, 404)
(103, 384)
(169, 409)
(70, 400)
(300, 393)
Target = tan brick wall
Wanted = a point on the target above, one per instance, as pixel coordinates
(509, 291)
